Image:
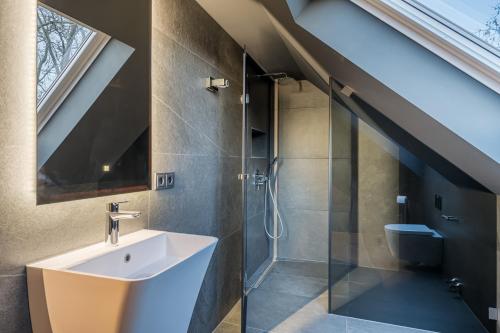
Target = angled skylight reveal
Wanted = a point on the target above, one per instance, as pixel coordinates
(59, 40)
(477, 20)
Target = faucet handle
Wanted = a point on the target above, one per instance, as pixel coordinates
(114, 207)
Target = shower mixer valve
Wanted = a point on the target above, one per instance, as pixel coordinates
(259, 179)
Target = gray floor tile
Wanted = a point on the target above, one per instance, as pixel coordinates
(227, 328)
(417, 299)
(307, 322)
(294, 284)
(365, 326)
(393, 302)
(268, 309)
(302, 268)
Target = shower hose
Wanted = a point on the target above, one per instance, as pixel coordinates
(270, 178)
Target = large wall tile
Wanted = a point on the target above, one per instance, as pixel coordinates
(469, 244)
(174, 135)
(256, 196)
(206, 198)
(303, 179)
(14, 315)
(342, 132)
(221, 287)
(178, 81)
(306, 235)
(188, 24)
(303, 133)
(301, 94)
(303, 184)
(257, 243)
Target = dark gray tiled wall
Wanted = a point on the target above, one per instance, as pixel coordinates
(469, 244)
(303, 171)
(498, 256)
(195, 133)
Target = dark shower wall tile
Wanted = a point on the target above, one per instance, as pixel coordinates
(206, 198)
(256, 196)
(188, 24)
(469, 244)
(303, 133)
(257, 243)
(303, 171)
(301, 94)
(14, 314)
(303, 184)
(221, 287)
(305, 236)
(174, 135)
(197, 135)
(178, 82)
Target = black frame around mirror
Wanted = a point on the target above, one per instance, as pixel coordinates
(94, 139)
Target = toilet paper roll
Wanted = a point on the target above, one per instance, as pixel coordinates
(401, 199)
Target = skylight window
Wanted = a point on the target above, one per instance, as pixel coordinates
(59, 41)
(66, 49)
(477, 20)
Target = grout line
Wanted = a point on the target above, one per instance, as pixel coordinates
(307, 158)
(304, 108)
(221, 150)
(196, 155)
(185, 154)
(217, 69)
(301, 260)
(229, 235)
(11, 275)
(284, 206)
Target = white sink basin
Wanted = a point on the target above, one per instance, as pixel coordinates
(148, 283)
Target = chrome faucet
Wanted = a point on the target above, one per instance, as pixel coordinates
(113, 223)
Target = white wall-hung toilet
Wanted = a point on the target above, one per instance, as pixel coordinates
(415, 243)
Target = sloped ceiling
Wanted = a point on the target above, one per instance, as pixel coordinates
(321, 41)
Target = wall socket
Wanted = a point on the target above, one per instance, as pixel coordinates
(164, 180)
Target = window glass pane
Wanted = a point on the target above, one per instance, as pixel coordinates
(479, 19)
(58, 41)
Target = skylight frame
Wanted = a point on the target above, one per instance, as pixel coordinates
(460, 51)
(453, 26)
(72, 73)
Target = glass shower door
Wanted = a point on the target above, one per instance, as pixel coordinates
(256, 151)
(392, 249)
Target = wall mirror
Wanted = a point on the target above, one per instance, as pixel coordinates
(93, 98)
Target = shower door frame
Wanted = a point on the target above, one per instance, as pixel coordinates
(244, 185)
(243, 176)
(330, 194)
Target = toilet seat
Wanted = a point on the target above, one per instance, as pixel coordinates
(412, 229)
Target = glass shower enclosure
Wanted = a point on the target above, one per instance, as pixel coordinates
(343, 215)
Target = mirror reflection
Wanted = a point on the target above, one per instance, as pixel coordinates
(92, 102)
